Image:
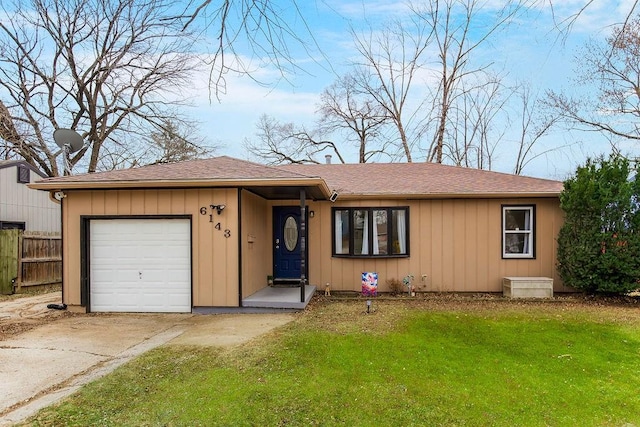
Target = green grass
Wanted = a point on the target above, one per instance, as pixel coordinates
(400, 366)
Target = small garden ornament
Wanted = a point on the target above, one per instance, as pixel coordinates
(407, 281)
(327, 290)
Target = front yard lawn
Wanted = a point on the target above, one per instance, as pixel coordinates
(431, 362)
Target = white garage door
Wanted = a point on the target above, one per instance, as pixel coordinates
(140, 265)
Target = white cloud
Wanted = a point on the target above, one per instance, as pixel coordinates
(232, 119)
(596, 16)
(527, 50)
(368, 9)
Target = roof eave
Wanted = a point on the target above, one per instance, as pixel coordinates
(15, 163)
(416, 196)
(240, 182)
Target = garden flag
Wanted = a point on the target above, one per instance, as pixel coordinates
(369, 284)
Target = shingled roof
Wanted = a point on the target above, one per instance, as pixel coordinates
(216, 168)
(407, 180)
(424, 180)
(268, 181)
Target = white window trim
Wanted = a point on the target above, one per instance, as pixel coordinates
(529, 254)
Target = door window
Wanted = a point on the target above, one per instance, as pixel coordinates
(290, 233)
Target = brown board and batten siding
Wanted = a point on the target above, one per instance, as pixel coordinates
(456, 243)
(455, 222)
(455, 225)
(256, 243)
(214, 254)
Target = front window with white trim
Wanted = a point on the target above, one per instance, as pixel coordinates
(518, 231)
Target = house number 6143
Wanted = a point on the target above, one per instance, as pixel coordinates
(217, 226)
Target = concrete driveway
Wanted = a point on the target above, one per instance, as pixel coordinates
(44, 364)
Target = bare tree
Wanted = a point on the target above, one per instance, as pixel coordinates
(475, 123)
(280, 143)
(389, 63)
(172, 142)
(270, 31)
(534, 122)
(460, 27)
(175, 142)
(565, 24)
(110, 69)
(8, 133)
(423, 71)
(483, 116)
(354, 115)
(263, 32)
(613, 66)
(344, 111)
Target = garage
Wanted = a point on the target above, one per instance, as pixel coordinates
(140, 265)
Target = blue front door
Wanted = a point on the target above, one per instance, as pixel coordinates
(286, 245)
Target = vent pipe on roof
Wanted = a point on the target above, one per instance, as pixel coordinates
(327, 159)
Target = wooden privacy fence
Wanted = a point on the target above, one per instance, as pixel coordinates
(8, 259)
(29, 259)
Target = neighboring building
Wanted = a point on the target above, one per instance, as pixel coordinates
(205, 234)
(22, 207)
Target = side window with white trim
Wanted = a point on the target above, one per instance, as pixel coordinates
(518, 238)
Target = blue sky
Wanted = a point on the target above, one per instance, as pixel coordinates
(530, 50)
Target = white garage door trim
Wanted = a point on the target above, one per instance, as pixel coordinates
(140, 265)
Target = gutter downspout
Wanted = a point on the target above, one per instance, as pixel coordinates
(57, 197)
(239, 246)
(53, 196)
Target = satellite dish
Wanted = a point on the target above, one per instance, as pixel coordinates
(68, 138)
(70, 142)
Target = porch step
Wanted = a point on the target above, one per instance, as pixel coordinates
(280, 297)
(286, 282)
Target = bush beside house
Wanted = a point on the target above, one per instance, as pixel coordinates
(599, 243)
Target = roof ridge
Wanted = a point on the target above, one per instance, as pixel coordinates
(416, 164)
(272, 167)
